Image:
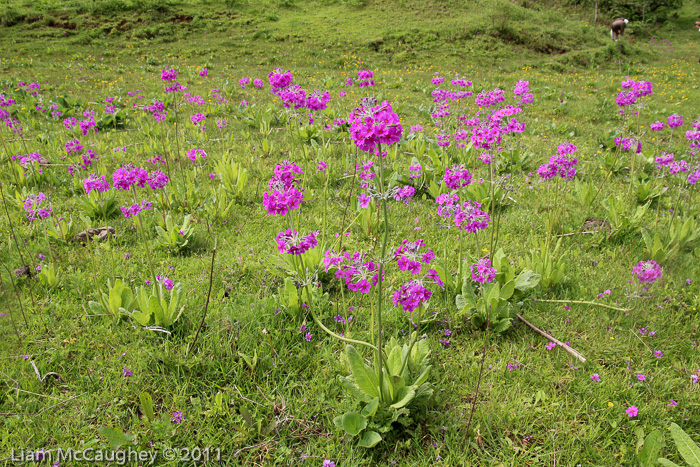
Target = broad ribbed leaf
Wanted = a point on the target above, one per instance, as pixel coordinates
(371, 408)
(365, 378)
(354, 423)
(147, 405)
(527, 280)
(652, 446)
(686, 446)
(394, 360)
(369, 439)
(507, 290)
(404, 397)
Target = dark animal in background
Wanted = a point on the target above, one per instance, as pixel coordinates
(617, 28)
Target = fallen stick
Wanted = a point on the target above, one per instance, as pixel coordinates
(572, 351)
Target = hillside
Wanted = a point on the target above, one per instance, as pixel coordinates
(492, 32)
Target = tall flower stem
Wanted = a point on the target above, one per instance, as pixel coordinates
(177, 130)
(318, 321)
(145, 242)
(629, 190)
(9, 160)
(48, 245)
(165, 151)
(381, 273)
(481, 372)
(459, 260)
(492, 205)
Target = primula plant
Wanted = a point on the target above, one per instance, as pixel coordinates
(494, 293)
(405, 392)
(118, 301)
(173, 238)
(160, 306)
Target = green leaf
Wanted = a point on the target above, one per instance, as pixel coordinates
(353, 423)
(527, 280)
(369, 439)
(371, 408)
(96, 307)
(404, 397)
(147, 405)
(467, 300)
(686, 447)
(639, 432)
(115, 437)
(653, 444)
(156, 310)
(423, 377)
(503, 325)
(350, 386)
(394, 360)
(666, 462)
(365, 378)
(507, 290)
(492, 294)
(144, 319)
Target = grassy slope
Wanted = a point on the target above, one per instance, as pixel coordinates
(568, 416)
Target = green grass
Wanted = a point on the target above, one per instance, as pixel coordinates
(547, 411)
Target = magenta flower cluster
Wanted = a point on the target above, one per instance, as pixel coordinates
(409, 256)
(93, 182)
(168, 284)
(291, 243)
(561, 165)
(411, 295)
(194, 153)
(634, 90)
(283, 195)
(35, 207)
(467, 216)
(136, 209)
(457, 177)
(370, 126)
(470, 218)
(365, 78)
(359, 275)
(482, 271)
(280, 79)
(647, 271)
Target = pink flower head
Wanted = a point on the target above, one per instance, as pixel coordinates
(632, 411)
(193, 153)
(411, 295)
(279, 79)
(168, 75)
(456, 177)
(410, 256)
(359, 273)
(363, 200)
(95, 183)
(647, 271)
(290, 242)
(675, 120)
(482, 271)
(371, 125)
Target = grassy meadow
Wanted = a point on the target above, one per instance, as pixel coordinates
(248, 373)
